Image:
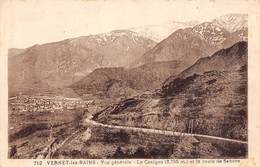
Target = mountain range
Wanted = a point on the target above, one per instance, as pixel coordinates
(170, 57)
(59, 64)
(230, 22)
(119, 60)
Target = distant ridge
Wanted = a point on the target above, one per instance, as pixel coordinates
(190, 44)
(62, 63)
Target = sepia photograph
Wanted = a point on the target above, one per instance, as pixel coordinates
(127, 80)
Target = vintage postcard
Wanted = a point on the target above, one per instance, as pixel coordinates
(130, 83)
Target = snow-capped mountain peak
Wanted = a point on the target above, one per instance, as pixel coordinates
(232, 22)
(218, 27)
(118, 34)
(212, 33)
(162, 31)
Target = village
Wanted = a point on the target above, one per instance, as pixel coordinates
(25, 103)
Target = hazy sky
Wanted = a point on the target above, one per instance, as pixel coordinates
(41, 21)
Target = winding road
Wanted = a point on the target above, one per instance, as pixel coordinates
(162, 132)
(50, 149)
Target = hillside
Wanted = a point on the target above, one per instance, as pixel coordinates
(183, 45)
(116, 82)
(211, 102)
(151, 76)
(229, 59)
(104, 81)
(62, 63)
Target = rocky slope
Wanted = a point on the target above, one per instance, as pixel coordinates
(211, 100)
(62, 63)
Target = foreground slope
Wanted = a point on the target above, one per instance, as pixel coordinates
(211, 101)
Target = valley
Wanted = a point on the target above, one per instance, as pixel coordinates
(122, 95)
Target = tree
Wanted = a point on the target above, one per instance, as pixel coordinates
(140, 153)
(119, 153)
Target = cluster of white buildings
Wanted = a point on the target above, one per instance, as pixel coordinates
(44, 103)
